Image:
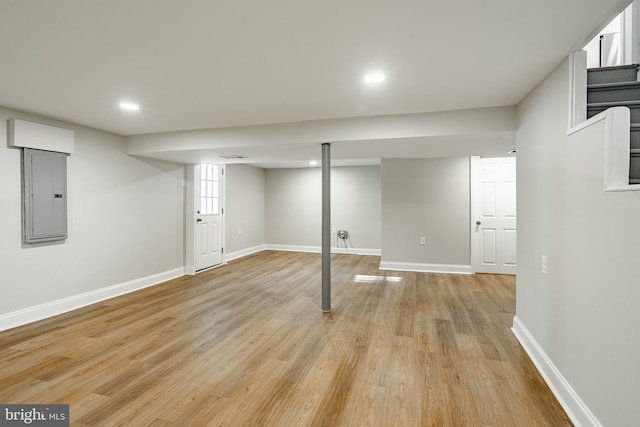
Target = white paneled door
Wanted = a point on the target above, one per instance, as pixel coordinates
(494, 225)
(208, 229)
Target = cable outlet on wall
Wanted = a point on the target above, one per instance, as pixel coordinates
(544, 264)
(423, 241)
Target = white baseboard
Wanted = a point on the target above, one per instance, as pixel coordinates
(292, 248)
(426, 268)
(318, 249)
(356, 251)
(54, 308)
(244, 252)
(575, 408)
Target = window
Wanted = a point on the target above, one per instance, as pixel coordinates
(209, 189)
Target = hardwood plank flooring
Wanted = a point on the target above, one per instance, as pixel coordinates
(246, 344)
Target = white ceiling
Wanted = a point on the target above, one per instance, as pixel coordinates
(196, 64)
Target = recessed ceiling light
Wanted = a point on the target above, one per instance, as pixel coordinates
(374, 78)
(313, 163)
(129, 106)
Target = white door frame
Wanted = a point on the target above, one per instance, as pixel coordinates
(474, 169)
(190, 217)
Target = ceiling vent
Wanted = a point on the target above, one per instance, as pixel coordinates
(233, 157)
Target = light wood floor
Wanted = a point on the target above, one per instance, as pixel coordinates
(246, 344)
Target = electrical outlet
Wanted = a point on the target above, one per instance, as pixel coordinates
(423, 241)
(544, 264)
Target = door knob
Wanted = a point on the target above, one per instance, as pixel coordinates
(199, 220)
(478, 223)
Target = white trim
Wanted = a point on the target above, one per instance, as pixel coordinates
(244, 252)
(626, 35)
(591, 121)
(190, 220)
(633, 34)
(54, 308)
(356, 251)
(426, 268)
(293, 248)
(223, 216)
(617, 144)
(616, 147)
(318, 249)
(618, 188)
(577, 87)
(575, 408)
(474, 176)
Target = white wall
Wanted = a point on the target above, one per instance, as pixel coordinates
(584, 316)
(125, 221)
(244, 208)
(429, 198)
(294, 200)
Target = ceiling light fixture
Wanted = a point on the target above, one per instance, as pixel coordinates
(374, 78)
(129, 106)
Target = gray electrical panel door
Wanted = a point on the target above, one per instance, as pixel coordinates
(45, 195)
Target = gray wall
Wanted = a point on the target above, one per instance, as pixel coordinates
(293, 205)
(430, 198)
(244, 207)
(125, 221)
(585, 314)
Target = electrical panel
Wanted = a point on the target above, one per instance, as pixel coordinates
(44, 195)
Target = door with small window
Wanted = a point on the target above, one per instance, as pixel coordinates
(208, 227)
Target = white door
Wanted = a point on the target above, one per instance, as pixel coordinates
(493, 227)
(208, 227)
